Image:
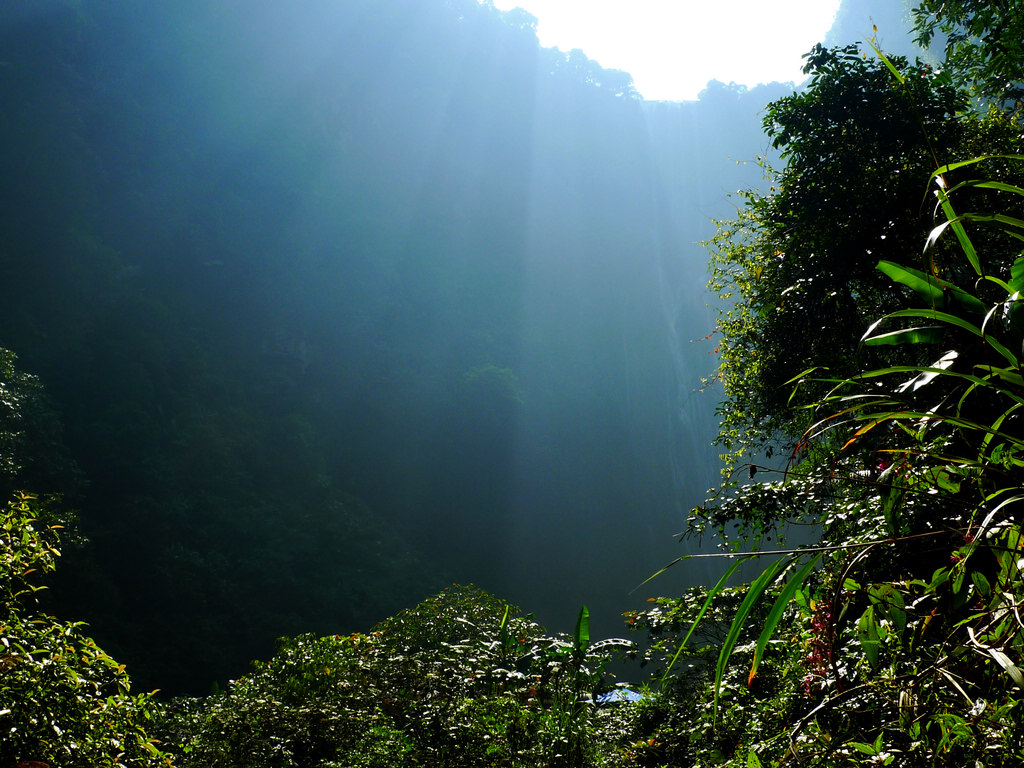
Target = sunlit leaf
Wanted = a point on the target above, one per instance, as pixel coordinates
(929, 334)
(930, 288)
(581, 637)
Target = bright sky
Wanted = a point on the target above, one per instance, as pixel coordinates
(674, 47)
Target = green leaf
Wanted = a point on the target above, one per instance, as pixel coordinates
(1007, 375)
(937, 315)
(942, 170)
(940, 577)
(961, 589)
(934, 291)
(753, 761)
(712, 594)
(888, 64)
(581, 638)
(981, 583)
(928, 334)
(860, 746)
(959, 322)
(1017, 275)
(867, 633)
(754, 592)
(890, 604)
(998, 218)
(997, 185)
(775, 615)
(958, 229)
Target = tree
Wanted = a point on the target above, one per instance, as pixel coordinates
(983, 42)
(32, 451)
(796, 269)
(63, 701)
(906, 606)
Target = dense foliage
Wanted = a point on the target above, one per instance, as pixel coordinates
(461, 679)
(896, 639)
(796, 268)
(63, 701)
(983, 42)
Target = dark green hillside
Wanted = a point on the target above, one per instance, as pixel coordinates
(340, 304)
(303, 315)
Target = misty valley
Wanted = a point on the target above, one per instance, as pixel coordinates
(379, 387)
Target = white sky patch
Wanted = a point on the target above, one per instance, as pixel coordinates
(672, 48)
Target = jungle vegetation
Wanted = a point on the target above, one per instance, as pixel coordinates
(870, 335)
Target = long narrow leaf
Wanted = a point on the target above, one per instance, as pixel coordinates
(937, 315)
(932, 289)
(959, 322)
(942, 170)
(961, 234)
(922, 334)
(998, 218)
(712, 594)
(754, 592)
(1011, 392)
(775, 615)
(997, 185)
(581, 637)
(889, 65)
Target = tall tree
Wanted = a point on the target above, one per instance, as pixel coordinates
(983, 42)
(796, 269)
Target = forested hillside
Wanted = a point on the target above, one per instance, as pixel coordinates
(339, 304)
(304, 315)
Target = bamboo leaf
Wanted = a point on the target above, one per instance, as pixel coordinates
(934, 314)
(997, 185)
(775, 615)
(1017, 275)
(889, 65)
(927, 334)
(932, 289)
(942, 170)
(998, 218)
(1011, 377)
(958, 229)
(754, 592)
(712, 594)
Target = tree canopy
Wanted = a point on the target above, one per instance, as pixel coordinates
(875, 294)
(796, 269)
(983, 42)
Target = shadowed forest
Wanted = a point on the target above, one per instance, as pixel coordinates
(337, 308)
(310, 313)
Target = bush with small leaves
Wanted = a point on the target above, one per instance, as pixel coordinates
(63, 701)
(461, 679)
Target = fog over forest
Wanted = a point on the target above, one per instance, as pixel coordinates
(337, 303)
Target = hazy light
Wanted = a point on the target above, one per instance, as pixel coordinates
(672, 48)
